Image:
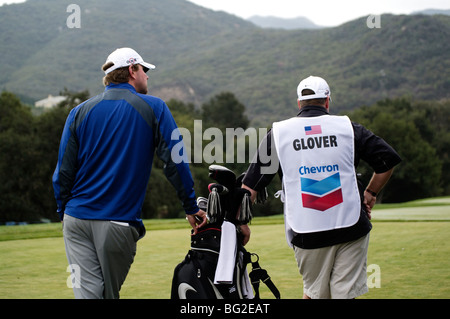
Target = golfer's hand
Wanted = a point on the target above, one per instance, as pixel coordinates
(197, 220)
(245, 231)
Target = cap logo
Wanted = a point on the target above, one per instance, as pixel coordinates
(131, 60)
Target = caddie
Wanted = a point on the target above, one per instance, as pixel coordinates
(327, 211)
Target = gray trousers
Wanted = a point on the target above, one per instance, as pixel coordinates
(101, 252)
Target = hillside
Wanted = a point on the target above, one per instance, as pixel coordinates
(283, 23)
(48, 55)
(200, 53)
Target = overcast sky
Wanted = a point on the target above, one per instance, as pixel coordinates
(323, 12)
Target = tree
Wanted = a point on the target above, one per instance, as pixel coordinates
(432, 119)
(73, 98)
(48, 130)
(18, 159)
(224, 110)
(419, 174)
(29, 152)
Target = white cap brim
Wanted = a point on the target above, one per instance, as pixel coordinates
(125, 57)
(148, 65)
(144, 64)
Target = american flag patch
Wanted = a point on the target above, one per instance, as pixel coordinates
(314, 129)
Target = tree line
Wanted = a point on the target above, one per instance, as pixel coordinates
(29, 146)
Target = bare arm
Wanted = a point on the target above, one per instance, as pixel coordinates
(375, 185)
(252, 191)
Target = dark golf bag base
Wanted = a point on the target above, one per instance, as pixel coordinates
(194, 277)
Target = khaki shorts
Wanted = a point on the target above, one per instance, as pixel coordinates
(337, 271)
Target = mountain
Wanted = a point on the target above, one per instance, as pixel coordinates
(42, 54)
(283, 23)
(200, 53)
(432, 12)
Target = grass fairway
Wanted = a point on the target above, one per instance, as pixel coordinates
(409, 243)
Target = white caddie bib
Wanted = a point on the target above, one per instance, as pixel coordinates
(316, 155)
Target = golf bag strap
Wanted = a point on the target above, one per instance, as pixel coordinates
(258, 274)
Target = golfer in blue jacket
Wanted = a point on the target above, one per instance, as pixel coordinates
(104, 164)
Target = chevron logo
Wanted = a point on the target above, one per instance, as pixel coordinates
(321, 195)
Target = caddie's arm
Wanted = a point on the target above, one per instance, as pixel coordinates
(376, 184)
(252, 191)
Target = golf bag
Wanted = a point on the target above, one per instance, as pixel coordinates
(216, 265)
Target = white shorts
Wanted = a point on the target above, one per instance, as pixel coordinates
(338, 272)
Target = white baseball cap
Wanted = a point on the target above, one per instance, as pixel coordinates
(316, 84)
(125, 57)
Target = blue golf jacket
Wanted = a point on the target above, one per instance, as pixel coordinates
(106, 155)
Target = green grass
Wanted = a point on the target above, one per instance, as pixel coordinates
(413, 258)
(410, 244)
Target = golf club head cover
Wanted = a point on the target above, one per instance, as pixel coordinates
(218, 202)
(241, 209)
(220, 189)
(214, 209)
(223, 176)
